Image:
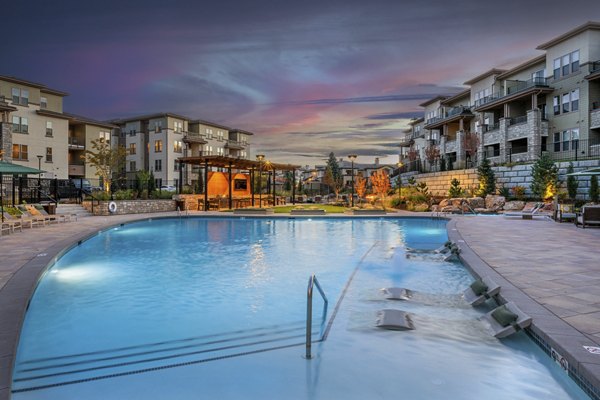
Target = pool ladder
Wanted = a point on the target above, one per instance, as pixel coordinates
(312, 282)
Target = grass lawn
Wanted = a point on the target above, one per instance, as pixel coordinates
(329, 209)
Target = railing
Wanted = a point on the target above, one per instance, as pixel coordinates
(573, 150)
(73, 141)
(492, 127)
(595, 105)
(312, 282)
(594, 67)
(46, 195)
(517, 120)
(519, 86)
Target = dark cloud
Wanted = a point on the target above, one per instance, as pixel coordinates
(396, 115)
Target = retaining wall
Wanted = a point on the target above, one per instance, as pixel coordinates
(132, 206)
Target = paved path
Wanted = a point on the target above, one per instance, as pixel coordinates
(555, 270)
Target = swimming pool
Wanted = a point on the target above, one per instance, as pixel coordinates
(192, 307)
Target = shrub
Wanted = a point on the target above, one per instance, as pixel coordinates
(124, 194)
(487, 179)
(519, 192)
(157, 194)
(504, 191)
(572, 183)
(594, 189)
(544, 175)
(455, 189)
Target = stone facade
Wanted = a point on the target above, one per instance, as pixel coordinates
(132, 206)
(6, 141)
(595, 119)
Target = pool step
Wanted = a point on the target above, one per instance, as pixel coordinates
(102, 364)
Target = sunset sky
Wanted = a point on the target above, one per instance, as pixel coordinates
(308, 77)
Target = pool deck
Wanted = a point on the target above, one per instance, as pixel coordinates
(551, 270)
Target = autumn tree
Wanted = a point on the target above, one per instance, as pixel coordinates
(361, 187)
(106, 160)
(381, 183)
(470, 144)
(432, 153)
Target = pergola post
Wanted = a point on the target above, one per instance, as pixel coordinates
(294, 186)
(205, 185)
(252, 185)
(273, 188)
(230, 188)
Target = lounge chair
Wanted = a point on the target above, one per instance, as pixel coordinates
(480, 291)
(565, 212)
(590, 215)
(9, 226)
(536, 211)
(37, 218)
(57, 217)
(20, 220)
(35, 212)
(507, 319)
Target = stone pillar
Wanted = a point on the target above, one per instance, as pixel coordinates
(6, 141)
(534, 134)
(443, 145)
(480, 146)
(460, 150)
(503, 133)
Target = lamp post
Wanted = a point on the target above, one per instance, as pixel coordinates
(39, 178)
(400, 165)
(260, 158)
(352, 157)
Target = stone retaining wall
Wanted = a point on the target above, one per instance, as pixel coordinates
(132, 206)
(517, 175)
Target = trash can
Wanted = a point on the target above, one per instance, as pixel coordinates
(50, 208)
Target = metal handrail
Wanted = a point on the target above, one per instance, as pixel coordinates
(47, 195)
(312, 282)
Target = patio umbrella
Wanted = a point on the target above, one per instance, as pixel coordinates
(7, 168)
(587, 172)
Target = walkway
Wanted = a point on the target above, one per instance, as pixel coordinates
(555, 270)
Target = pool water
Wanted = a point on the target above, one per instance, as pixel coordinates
(215, 308)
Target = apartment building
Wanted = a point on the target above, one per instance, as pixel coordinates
(155, 142)
(37, 133)
(550, 103)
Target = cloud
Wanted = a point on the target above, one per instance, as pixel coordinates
(396, 115)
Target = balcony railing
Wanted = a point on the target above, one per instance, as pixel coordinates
(515, 87)
(449, 113)
(517, 120)
(492, 127)
(76, 143)
(595, 105)
(594, 67)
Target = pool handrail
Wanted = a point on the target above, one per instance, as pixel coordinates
(312, 282)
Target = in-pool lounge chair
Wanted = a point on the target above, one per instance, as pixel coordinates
(507, 319)
(481, 290)
(590, 215)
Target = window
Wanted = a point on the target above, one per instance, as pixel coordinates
(176, 166)
(132, 148)
(20, 152)
(43, 103)
(105, 136)
(575, 139)
(20, 124)
(49, 128)
(565, 102)
(158, 165)
(565, 64)
(158, 126)
(575, 61)
(209, 133)
(556, 104)
(158, 146)
(220, 151)
(556, 68)
(132, 166)
(566, 140)
(177, 146)
(48, 154)
(178, 125)
(220, 135)
(557, 141)
(20, 96)
(575, 100)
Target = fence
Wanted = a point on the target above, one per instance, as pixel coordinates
(573, 150)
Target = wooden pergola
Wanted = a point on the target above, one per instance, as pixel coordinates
(231, 163)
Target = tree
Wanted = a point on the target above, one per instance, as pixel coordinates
(470, 144)
(333, 175)
(106, 160)
(381, 183)
(151, 183)
(455, 189)
(572, 183)
(487, 179)
(361, 187)
(594, 189)
(287, 186)
(544, 175)
(142, 179)
(432, 153)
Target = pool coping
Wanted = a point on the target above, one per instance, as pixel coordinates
(554, 336)
(548, 331)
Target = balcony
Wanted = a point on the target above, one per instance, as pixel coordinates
(406, 140)
(595, 116)
(594, 71)
(451, 146)
(452, 115)
(76, 170)
(76, 143)
(234, 145)
(515, 90)
(191, 137)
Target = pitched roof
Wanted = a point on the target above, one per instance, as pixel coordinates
(573, 32)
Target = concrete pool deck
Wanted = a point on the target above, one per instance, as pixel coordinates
(550, 270)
